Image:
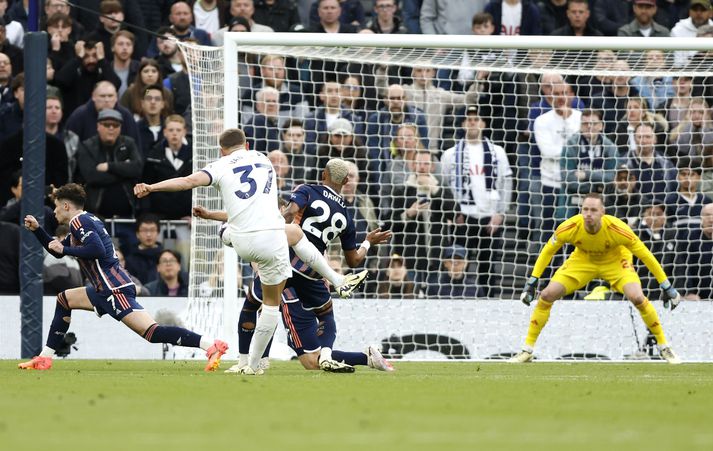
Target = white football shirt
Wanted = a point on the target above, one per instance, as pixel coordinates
(246, 181)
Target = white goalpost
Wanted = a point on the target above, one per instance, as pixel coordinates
(396, 106)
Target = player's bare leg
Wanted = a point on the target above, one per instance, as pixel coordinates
(344, 285)
(538, 320)
(143, 324)
(635, 295)
(264, 326)
(68, 300)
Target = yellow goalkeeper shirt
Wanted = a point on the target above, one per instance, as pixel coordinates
(613, 242)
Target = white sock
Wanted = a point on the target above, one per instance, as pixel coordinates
(242, 360)
(310, 255)
(264, 328)
(47, 352)
(325, 354)
(206, 343)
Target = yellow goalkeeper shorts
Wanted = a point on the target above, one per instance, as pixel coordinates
(578, 271)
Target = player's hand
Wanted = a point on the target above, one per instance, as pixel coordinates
(530, 290)
(671, 298)
(56, 246)
(142, 190)
(31, 223)
(377, 236)
(199, 211)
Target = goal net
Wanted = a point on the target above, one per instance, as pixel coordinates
(471, 150)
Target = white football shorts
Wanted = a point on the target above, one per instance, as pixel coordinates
(268, 249)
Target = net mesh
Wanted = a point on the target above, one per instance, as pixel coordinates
(471, 204)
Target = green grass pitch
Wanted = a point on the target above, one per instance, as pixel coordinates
(138, 405)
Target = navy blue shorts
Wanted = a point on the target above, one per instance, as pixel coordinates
(116, 303)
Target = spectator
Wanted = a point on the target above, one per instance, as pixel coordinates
(623, 197)
(677, 106)
(703, 84)
(84, 119)
(637, 111)
(655, 173)
(86, 14)
(449, 16)
(479, 177)
(61, 46)
(273, 74)
(140, 289)
(122, 47)
(551, 131)
(385, 20)
(707, 173)
(246, 10)
(282, 171)
(180, 87)
(699, 14)
(181, 20)
(660, 239)
(351, 13)
(610, 15)
(588, 163)
(153, 107)
(280, 15)
(553, 15)
(11, 113)
(360, 207)
(11, 211)
(382, 125)
(171, 281)
(169, 58)
(111, 16)
(515, 17)
(403, 151)
(13, 29)
(79, 75)
(54, 126)
(412, 15)
(643, 24)
(170, 157)
(422, 208)
(110, 164)
(263, 129)
(615, 97)
(6, 97)
(9, 258)
(53, 7)
(155, 13)
(13, 52)
(149, 73)
(684, 206)
(395, 282)
(694, 258)
(342, 143)
(18, 12)
(318, 122)
(350, 92)
(453, 281)
(578, 21)
(329, 20)
(657, 90)
(695, 132)
(59, 274)
(209, 15)
(303, 166)
(142, 258)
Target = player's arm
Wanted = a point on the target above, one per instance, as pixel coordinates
(200, 211)
(553, 245)
(41, 234)
(92, 246)
(354, 257)
(200, 178)
(290, 211)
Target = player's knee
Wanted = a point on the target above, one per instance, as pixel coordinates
(549, 295)
(637, 298)
(247, 326)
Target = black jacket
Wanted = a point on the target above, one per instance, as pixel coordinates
(142, 263)
(125, 166)
(157, 168)
(9, 258)
(281, 16)
(159, 288)
(77, 84)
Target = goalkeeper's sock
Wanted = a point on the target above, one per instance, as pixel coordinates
(651, 319)
(177, 336)
(538, 319)
(311, 256)
(264, 329)
(327, 331)
(58, 327)
(350, 358)
(246, 325)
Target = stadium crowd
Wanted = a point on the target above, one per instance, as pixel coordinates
(438, 156)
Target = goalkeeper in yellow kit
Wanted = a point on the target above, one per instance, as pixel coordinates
(603, 249)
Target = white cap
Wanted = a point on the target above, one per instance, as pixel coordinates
(341, 126)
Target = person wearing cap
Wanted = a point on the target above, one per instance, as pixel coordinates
(588, 163)
(699, 14)
(604, 247)
(395, 282)
(318, 122)
(610, 15)
(452, 280)
(623, 197)
(658, 236)
(643, 24)
(694, 257)
(478, 174)
(109, 164)
(343, 143)
(684, 206)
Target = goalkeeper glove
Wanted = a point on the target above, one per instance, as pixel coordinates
(528, 294)
(670, 295)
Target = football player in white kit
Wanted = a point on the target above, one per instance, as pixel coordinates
(256, 228)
